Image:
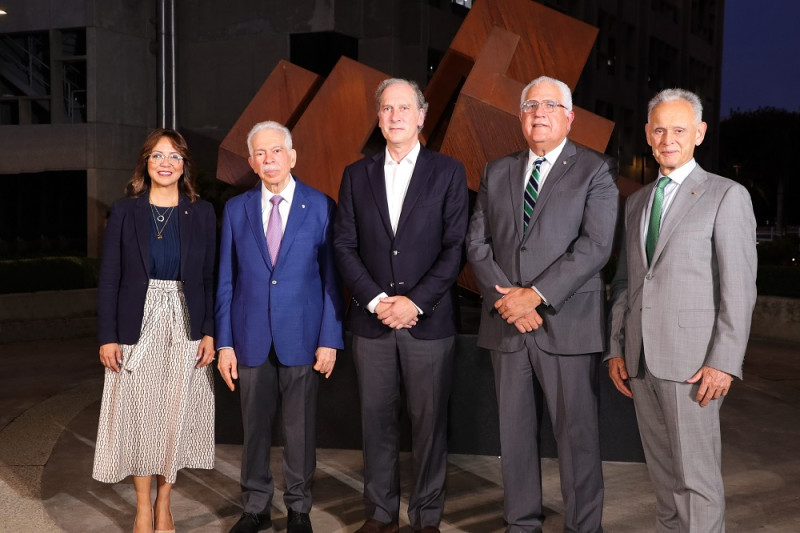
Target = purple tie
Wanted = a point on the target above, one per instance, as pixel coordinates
(274, 229)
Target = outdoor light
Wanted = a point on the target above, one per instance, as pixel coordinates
(3, 12)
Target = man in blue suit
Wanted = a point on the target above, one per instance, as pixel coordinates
(278, 318)
(399, 245)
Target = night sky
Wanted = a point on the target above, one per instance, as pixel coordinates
(760, 65)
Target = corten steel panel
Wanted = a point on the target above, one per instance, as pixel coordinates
(453, 68)
(282, 98)
(485, 123)
(336, 125)
(551, 42)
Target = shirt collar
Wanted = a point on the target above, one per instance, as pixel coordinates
(410, 158)
(680, 173)
(287, 193)
(551, 156)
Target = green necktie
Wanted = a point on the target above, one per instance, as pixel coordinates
(655, 219)
(531, 193)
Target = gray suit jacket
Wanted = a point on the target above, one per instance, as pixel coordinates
(567, 244)
(693, 305)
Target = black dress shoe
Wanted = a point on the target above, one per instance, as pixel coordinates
(252, 523)
(298, 523)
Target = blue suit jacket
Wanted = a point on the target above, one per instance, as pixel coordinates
(422, 260)
(296, 304)
(125, 265)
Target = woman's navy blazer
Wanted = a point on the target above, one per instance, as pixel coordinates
(125, 265)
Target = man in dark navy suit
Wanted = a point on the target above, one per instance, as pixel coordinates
(278, 312)
(399, 242)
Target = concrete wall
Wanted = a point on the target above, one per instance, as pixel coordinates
(777, 318)
(121, 101)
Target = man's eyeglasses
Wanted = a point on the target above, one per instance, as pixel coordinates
(548, 106)
(158, 157)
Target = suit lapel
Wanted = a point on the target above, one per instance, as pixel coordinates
(252, 209)
(377, 183)
(420, 180)
(560, 167)
(636, 212)
(687, 195)
(297, 217)
(142, 217)
(185, 220)
(516, 187)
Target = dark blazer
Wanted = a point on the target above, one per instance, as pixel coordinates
(422, 260)
(567, 243)
(125, 264)
(296, 304)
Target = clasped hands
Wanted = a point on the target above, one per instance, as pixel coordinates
(517, 306)
(397, 312)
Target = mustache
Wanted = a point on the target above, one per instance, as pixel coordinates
(269, 168)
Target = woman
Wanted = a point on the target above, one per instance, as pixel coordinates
(155, 330)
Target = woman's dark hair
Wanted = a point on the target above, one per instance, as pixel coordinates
(139, 184)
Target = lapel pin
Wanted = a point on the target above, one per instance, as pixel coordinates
(694, 192)
(564, 162)
(303, 206)
(186, 212)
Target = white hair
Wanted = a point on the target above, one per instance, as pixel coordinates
(566, 94)
(269, 125)
(672, 95)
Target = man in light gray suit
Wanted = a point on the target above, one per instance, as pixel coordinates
(541, 230)
(684, 295)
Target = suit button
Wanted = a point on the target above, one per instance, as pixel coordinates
(649, 276)
(524, 249)
(395, 252)
(391, 284)
(274, 282)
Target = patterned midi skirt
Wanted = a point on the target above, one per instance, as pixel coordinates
(157, 413)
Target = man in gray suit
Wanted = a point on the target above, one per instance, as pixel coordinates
(684, 295)
(541, 230)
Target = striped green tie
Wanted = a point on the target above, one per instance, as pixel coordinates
(655, 218)
(531, 192)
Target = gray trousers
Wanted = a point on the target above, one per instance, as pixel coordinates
(683, 450)
(262, 388)
(570, 385)
(425, 368)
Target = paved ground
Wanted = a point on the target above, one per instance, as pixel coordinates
(49, 402)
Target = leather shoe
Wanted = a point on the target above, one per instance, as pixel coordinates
(252, 523)
(374, 526)
(298, 522)
(428, 529)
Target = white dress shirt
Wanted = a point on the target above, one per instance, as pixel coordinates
(283, 208)
(676, 177)
(397, 176)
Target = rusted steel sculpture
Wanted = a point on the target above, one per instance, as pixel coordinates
(500, 47)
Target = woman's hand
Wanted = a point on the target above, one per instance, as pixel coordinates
(111, 356)
(205, 351)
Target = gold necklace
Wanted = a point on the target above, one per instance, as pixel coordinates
(161, 217)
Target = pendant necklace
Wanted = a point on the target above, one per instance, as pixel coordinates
(159, 217)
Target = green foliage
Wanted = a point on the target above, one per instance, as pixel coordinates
(47, 273)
